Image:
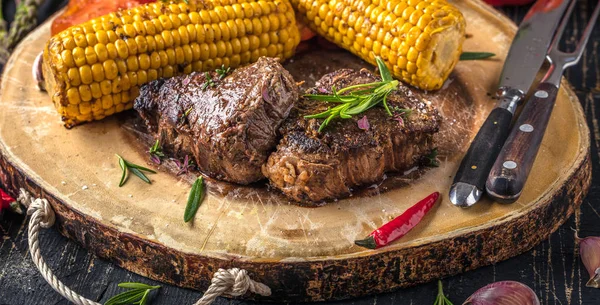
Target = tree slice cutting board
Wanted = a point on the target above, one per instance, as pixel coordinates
(303, 254)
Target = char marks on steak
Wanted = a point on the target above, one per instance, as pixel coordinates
(311, 167)
(230, 128)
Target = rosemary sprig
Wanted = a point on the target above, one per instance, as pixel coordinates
(156, 149)
(223, 71)
(356, 99)
(24, 21)
(194, 199)
(137, 294)
(475, 55)
(135, 169)
(185, 115)
(209, 82)
(156, 153)
(431, 158)
(441, 299)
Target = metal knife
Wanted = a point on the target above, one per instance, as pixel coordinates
(512, 167)
(525, 58)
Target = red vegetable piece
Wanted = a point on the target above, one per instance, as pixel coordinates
(400, 225)
(507, 2)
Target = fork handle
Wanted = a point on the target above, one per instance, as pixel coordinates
(511, 169)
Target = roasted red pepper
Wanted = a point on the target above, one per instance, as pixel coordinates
(400, 225)
(507, 2)
(79, 11)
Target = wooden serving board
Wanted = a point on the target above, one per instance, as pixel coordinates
(303, 254)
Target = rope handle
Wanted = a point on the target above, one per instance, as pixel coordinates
(225, 282)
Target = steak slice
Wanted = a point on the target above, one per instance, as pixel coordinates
(311, 167)
(230, 127)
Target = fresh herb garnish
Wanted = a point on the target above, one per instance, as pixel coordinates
(441, 299)
(194, 199)
(402, 111)
(135, 169)
(475, 55)
(137, 294)
(184, 166)
(185, 115)
(156, 153)
(431, 158)
(209, 82)
(356, 99)
(223, 71)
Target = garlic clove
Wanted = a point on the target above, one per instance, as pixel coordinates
(594, 281)
(36, 71)
(589, 249)
(504, 293)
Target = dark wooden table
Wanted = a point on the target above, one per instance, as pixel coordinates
(553, 268)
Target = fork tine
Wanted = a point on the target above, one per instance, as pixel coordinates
(561, 27)
(586, 34)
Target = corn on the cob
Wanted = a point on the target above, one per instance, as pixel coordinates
(94, 69)
(420, 40)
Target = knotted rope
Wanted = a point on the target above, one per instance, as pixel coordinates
(231, 282)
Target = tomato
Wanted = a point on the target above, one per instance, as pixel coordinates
(79, 11)
(305, 32)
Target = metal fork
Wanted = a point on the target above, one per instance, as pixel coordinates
(510, 171)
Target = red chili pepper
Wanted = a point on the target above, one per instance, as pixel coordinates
(400, 225)
(7, 202)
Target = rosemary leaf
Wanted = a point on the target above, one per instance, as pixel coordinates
(194, 199)
(137, 294)
(475, 55)
(431, 158)
(386, 76)
(126, 297)
(223, 71)
(156, 149)
(134, 285)
(141, 175)
(124, 169)
(144, 298)
(131, 165)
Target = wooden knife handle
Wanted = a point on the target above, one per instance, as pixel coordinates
(482, 153)
(511, 169)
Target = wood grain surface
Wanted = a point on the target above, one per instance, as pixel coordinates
(552, 269)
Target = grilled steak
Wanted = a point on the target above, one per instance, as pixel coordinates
(310, 167)
(229, 125)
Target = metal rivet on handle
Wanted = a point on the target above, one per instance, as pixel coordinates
(541, 94)
(509, 164)
(526, 128)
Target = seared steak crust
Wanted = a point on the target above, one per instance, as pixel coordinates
(310, 167)
(231, 127)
